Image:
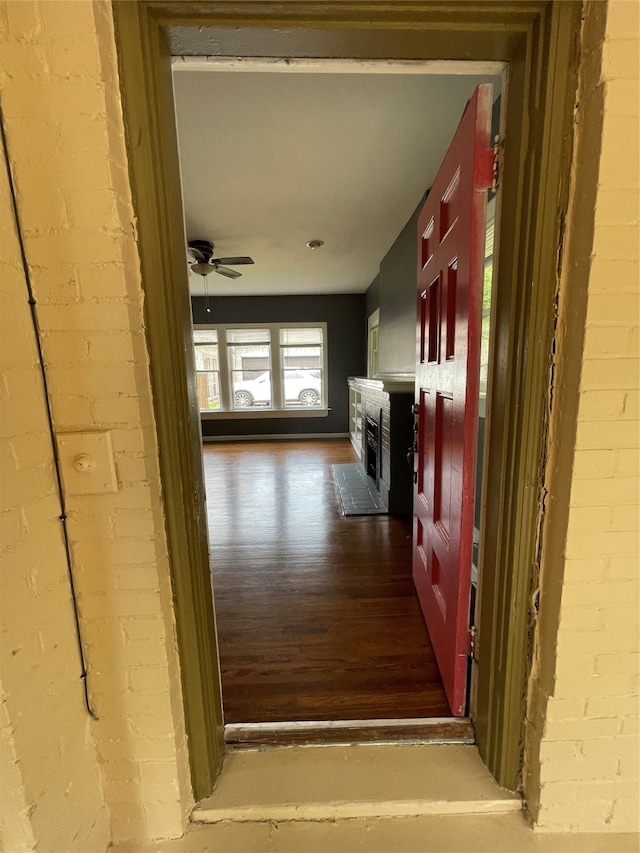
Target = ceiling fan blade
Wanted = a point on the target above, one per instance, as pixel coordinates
(234, 261)
(226, 271)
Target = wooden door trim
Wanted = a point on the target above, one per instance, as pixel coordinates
(539, 41)
(147, 96)
(521, 365)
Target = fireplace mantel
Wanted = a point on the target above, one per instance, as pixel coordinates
(390, 383)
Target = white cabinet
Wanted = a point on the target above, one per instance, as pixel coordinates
(355, 419)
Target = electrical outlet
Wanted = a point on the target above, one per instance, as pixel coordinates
(87, 463)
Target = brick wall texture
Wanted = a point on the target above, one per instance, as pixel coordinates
(589, 748)
(58, 85)
(49, 763)
(65, 135)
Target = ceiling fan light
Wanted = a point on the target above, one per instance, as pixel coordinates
(201, 269)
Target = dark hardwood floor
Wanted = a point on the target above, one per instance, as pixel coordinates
(317, 615)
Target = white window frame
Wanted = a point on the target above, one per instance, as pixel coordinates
(277, 410)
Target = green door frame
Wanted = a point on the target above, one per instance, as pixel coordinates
(539, 40)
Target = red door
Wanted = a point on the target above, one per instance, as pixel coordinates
(451, 233)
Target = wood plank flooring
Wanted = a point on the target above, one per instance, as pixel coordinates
(317, 615)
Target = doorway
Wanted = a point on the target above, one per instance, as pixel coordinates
(538, 43)
(365, 144)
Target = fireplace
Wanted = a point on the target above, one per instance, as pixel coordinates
(372, 455)
(381, 430)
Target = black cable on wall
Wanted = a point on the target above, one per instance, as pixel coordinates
(54, 442)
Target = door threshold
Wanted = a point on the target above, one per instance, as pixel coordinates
(331, 782)
(331, 732)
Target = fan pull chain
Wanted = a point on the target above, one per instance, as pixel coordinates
(207, 308)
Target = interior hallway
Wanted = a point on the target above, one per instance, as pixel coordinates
(317, 615)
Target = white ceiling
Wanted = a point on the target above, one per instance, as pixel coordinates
(272, 160)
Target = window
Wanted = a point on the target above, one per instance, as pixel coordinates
(249, 360)
(301, 363)
(257, 370)
(207, 368)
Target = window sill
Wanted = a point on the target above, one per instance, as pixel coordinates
(256, 414)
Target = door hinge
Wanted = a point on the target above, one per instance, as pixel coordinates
(498, 163)
(473, 643)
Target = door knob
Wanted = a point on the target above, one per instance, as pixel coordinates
(410, 454)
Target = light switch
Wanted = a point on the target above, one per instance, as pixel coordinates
(87, 463)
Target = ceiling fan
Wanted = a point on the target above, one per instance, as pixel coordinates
(202, 262)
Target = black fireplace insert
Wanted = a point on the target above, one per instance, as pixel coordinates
(372, 448)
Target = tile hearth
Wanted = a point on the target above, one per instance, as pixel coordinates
(357, 491)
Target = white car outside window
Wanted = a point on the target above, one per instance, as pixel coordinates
(301, 387)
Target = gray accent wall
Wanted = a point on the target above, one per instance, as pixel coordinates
(394, 292)
(372, 296)
(346, 353)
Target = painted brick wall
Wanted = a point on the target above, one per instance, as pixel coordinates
(61, 105)
(59, 95)
(51, 781)
(587, 777)
(15, 827)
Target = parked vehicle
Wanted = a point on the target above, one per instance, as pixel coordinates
(303, 387)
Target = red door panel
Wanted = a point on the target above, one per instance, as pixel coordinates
(451, 232)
